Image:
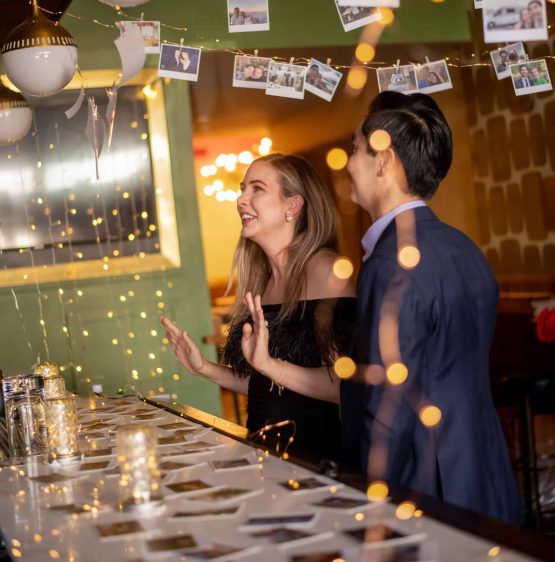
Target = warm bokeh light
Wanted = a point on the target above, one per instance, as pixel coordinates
(344, 367)
(265, 146)
(437, 1)
(365, 52)
(343, 268)
(357, 77)
(388, 17)
(245, 157)
(377, 491)
(359, 516)
(494, 551)
(379, 140)
(408, 257)
(149, 93)
(405, 510)
(397, 373)
(336, 159)
(430, 415)
(418, 513)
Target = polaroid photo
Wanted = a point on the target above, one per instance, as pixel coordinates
(530, 77)
(226, 494)
(370, 3)
(397, 79)
(321, 79)
(502, 58)
(117, 530)
(375, 535)
(268, 520)
(286, 80)
(188, 487)
(208, 513)
(307, 484)
(340, 502)
(284, 536)
(222, 552)
(353, 17)
(247, 15)
(181, 63)
(176, 542)
(517, 20)
(233, 464)
(478, 4)
(52, 478)
(250, 72)
(330, 556)
(433, 77)
(150, 30)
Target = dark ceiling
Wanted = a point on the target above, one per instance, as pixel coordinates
(13, 12)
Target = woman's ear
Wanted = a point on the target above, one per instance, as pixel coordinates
(295, 204)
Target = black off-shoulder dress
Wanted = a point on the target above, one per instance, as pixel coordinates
(312, 336)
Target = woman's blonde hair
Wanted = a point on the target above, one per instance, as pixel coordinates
(315, 230)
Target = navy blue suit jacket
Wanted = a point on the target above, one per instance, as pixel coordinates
(447, 314)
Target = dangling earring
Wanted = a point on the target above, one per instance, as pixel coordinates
(288, 216)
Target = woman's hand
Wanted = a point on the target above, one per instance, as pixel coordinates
(254, 343)
(185, 349)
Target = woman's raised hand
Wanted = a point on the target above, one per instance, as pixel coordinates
(254, 343)
(185, 349)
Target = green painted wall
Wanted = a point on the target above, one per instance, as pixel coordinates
(293, 23)
(100, 360)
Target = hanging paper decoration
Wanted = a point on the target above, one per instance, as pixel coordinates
(433, 77)
(286, 80)
(150, 30)
(353, 17)
(40, 56)
(131, 49)
(505, 56)
(95, 132)
(16, 116)
(519, 20)
(72, 111)
(112, 94)
(250, 72)
(179, 62)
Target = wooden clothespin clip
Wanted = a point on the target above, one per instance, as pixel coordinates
(397, 65)
(427, 59)
(291, 60)
(328, 62)
(256, 52)
(526, 57)
(142, 16)
(180, 44)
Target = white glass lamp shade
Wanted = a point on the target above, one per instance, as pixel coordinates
(40, 56)
(16, 116)
(124, 3)
(41, 71)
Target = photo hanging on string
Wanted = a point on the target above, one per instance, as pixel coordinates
(247, 15)
(530, 77)
(179, 62)
(478, 4)
(370, 3)
(517, 20)
(433, 77)
(321, 79)
(150, 30)
(250, 72)
(353, 17)
(397, 79)
(505, 56)
(286, 80)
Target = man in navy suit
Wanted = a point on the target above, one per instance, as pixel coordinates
(524, 80)
(420, 413)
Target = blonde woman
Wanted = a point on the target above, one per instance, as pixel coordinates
(292, 316)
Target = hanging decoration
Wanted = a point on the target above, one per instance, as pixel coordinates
(95, 132)
(16, 116)
(40, 56)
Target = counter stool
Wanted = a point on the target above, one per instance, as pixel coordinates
(534, 396)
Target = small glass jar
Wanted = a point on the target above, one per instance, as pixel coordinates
(54, 387)
(63, 429)
(25, 418)
(139, 481)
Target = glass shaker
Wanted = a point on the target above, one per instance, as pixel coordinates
(26, 424)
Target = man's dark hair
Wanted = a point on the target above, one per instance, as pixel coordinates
(419, 134)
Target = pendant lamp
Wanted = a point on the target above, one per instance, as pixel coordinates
(124, 3)
(39, 55)
(16, 116)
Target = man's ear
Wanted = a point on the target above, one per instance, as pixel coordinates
(386, 159)
(295, 204)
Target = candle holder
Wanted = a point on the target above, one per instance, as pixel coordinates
(139, 481)
(54, 387)
(63, 430)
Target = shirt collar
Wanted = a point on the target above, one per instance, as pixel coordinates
(373, 234)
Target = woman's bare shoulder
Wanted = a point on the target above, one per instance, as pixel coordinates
(322, 281)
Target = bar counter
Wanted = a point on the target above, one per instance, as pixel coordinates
(225, 498)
